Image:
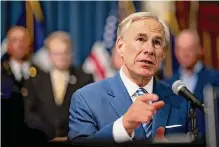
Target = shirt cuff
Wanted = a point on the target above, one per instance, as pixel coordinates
(119, 133)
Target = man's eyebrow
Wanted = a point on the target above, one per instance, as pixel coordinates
(159, 37)
(142, 35)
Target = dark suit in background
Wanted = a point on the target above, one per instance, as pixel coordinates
(12, 105)
(41, 109)
(12, 96)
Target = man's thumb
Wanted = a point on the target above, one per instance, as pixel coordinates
(160, 133)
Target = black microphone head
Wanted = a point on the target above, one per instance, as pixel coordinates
(177, 85)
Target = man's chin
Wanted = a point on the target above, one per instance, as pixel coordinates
(21, 57)
(145, 74)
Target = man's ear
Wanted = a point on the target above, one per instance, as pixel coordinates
(120, 46)
(164, 55)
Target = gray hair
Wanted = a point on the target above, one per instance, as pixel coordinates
(141, 15)
(62, 36)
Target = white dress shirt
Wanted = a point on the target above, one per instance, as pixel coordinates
(19, 68)
(119, 133)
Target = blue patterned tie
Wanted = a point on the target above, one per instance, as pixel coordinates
(147, 127)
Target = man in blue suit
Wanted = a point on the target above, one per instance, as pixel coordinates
(132, 105)
(193, 73)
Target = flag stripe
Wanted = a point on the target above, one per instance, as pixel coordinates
(36, 9)
(98, 65)
(29, 23)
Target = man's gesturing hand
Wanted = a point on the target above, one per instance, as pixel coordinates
(141, 112)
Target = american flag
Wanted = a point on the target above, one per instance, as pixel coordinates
(99, 63)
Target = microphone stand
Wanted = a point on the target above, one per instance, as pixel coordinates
(193, 119)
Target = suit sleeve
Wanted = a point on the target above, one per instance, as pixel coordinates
(82, 124)
(32, 117)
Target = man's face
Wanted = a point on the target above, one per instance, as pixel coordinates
(17, 46)
(60, 55)
(142, 47)
(187, 50)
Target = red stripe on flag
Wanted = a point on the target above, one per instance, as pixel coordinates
(99, 68)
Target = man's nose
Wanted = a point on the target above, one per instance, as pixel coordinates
(148, 48)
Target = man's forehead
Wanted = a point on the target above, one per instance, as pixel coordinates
(186, 36)
(57, 43)
(16, 32)
(149, 24)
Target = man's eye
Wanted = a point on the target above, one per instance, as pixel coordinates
(141, 39)
(156, 42)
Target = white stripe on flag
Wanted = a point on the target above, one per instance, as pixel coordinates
(104, 60)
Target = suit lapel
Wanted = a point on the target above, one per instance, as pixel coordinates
(199, 85)
(8, 70)
(71, 85)
(120, 100)
(161, 116)
(118, 95)
(49, 89)
(67, 93)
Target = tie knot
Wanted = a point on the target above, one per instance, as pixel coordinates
(141, 91)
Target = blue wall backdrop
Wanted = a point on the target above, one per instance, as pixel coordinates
(84, 20)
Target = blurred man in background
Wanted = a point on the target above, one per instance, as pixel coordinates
(14, 73)
(18, 48)
(49, 94)
(192, 71)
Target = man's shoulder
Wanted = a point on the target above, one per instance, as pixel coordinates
(78, 71)
(6, 73)
(81, 74)
(170, 80)
(95, 90)
(167, 94)
(36, 74)
(5, 68)
(165, 86)
(96, 86)
(212, 75)
(211, 71)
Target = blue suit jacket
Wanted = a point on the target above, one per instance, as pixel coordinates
(95, 107)
(205, 76)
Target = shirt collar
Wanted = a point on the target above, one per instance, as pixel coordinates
(198, 66)
(19, 69)
(14, 64)
(17, 66)
(59, 72)
(132, 87)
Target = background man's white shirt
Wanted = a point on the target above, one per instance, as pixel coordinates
(18, 68)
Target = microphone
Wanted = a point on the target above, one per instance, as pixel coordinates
(179, 88)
